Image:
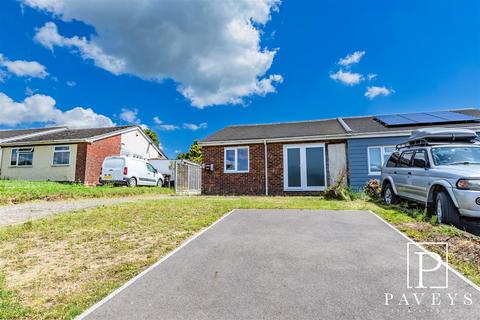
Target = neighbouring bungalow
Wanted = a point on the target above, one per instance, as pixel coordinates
(306, 157)
(72, 155)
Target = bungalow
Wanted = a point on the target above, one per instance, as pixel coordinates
(72, 155)
(9, 135)
(306, 157)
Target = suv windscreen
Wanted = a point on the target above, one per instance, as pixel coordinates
(405, 159)
(445, 156)
(392, 161)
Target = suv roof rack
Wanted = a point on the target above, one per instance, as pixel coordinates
(426, 143)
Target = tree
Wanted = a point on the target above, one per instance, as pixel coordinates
(153, 135)
(195, 154)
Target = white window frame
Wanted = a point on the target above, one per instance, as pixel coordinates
(382, 158)
(18, 153)
(236, 159)
(303, 168)
(61, 151)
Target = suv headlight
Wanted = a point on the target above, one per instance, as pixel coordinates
(468, 184)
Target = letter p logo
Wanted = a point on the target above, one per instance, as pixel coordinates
(426, 269)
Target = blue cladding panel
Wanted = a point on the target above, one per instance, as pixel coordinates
(357, 150)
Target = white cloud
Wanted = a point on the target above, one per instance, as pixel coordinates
(29, 91)
(195, 127)
(157, 120)
(71, 83)
(49, 37)
(22, 68)
(374, 91)
(371, 76)
(211, 49)
(42, 108)
(130, 115)
(161, 125)
(167, 127)
(351, 58)
(347, 77)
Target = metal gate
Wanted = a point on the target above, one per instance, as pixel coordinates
(188, 177)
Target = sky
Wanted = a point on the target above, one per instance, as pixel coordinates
(187, 68)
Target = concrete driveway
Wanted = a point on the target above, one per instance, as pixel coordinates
(291, 264)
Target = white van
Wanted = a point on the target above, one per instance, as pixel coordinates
(130, 171)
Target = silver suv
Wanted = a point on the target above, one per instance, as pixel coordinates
(439, 168)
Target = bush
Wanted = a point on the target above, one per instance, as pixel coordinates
(373, 189)
(339, 191)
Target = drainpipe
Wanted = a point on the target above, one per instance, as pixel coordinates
(266, 166)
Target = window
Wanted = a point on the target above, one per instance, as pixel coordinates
(21, 157)
(151, 168)
(420, 159)
(405, 159)
(236, 159)
(61, 155)
(304, 167)
(377, 156)
(392, 162)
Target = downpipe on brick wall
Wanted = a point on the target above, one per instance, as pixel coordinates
(266, 166)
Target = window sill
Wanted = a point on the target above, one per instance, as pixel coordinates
(60, 165)
(375, 174)
(236, 171)
(304, 189)
(21, 166)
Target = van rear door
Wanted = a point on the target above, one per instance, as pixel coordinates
(112, 169)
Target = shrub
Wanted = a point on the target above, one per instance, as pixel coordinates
(339, 191)
(373, 189)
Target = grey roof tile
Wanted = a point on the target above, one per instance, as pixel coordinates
(358, 125)
(6, 134)
(73, 134)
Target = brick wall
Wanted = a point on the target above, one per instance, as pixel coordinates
(90, 157)
(218, 182)
(251, 183)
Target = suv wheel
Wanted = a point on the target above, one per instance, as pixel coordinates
(389, 197)
(132, 182)
(445, 209)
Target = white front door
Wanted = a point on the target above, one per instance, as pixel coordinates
(304, 167)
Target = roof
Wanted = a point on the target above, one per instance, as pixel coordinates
(71, 134)
(341, 127)
(7, 134)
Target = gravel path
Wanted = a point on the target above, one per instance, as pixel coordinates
(20, 213)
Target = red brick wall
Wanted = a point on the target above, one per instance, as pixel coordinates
(251, 183)
(90, 157)
(218, 182)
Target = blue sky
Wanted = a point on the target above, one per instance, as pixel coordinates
(188, 70)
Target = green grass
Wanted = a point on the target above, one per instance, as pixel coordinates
(55, 268)
(18, 191)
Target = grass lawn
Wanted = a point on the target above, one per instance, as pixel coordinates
(17, 191)
(55, 268)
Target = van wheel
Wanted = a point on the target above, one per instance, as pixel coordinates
(445, 209)
(159, 183)
(132, 182)
(389, 197)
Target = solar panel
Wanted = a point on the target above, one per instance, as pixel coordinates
(453, 116)
(394, 119)
(424, 118)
